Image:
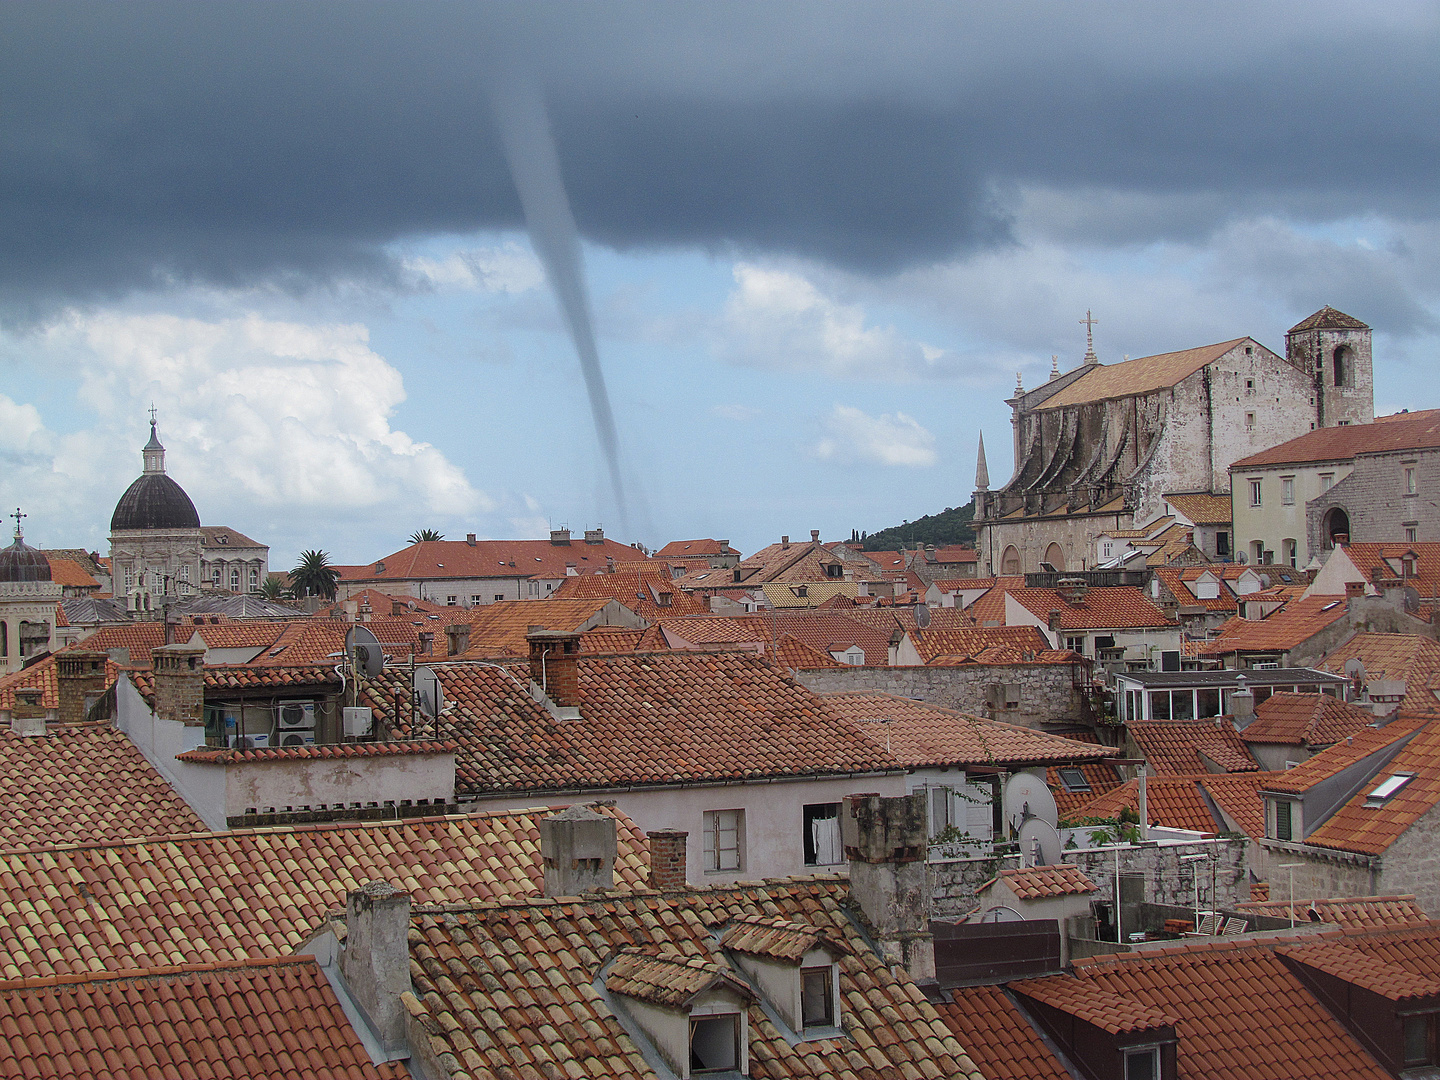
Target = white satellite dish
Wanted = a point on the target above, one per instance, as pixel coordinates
(1355, 670)
(364, 650)
(922, 616)
(1001, 913)
(1026, 796)
(429, 695)
(1039, 843)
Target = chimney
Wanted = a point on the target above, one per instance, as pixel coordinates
(885, 840)
(560, 537)
(785, 543)
(594, 536)
(375, 963)
(814, 536)
(1054, 622)
(470, 539)
(397, 608)
(457, 639)
(667, 858)
(1074, 590)
(81, 678)
(577, 847)
(179, 672)
(1354, 588)
(554, 667)
(1242, 704)
(29, 717)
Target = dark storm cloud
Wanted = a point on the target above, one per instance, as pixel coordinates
(231, 143)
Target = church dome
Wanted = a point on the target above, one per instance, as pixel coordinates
(154, 501)
(22, 563)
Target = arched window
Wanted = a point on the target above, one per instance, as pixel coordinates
(1010, 561)
(1336, 527)
(234, 579)
(1344, 365)
(1055, 556)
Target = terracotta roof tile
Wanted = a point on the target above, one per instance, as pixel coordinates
(998, 1038)
(921, 735)
(639, 590)
(691, 549)
(1040, 882)
(1295, 623)
(1202, 508)
(71, 575)
(181, 1021)
(1409, 657)
(1180, 581)
(1342, 755)
(94, 908)
(1404, 432)
(436, 560)
(1361, 969)
(1089, 1001)
(1101, 608)
(778, 939)
(1305, 720)
(84, 783)
(1181, 747)
(670, 982)
(816, 629)
(1359, 912)
(484, 970)
(989, 645)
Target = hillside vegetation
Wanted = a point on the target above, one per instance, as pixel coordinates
(951, 526)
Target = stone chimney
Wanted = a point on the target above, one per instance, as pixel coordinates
(560, 537)
(457, 639)
(785, 543)
(81, 678)
(667, 858)
(885, 841)
(814, 536)
(1074, 590)
(577, 847)
(396, 607)
(594, 536)
(179, 672)
(554, 667)
(470, 539)
(29, 717)
(1354, 588)
(1242, 704)
(1054, 622)
(375, 962)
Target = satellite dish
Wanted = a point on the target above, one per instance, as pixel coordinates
(1355, 669)
(1001, 913)
(429, 696)
(922, 616)
(363, 648)
(1026, 797)
(1039, 843)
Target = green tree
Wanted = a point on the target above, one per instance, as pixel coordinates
(314, 576)
(419, 536)
(273, 589)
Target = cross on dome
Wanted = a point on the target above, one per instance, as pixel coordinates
(1089, 322)
(17, 515)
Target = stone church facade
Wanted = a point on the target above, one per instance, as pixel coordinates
(1099, 448)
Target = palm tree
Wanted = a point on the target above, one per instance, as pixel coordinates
(273, 588)
(419, 536)
(314, 576)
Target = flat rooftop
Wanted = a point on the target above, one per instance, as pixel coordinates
(1228, 678)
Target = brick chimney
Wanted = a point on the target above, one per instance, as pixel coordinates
(1354, 588)
(885, 840)
(29, 717)
(179, 672)
(594, 536)
(375, 963)
(554, 667)
(577, 847)
(1054, 621)
(397, 608)
(667, 858)
(1074, 590)
(457, 638)
(81, 678)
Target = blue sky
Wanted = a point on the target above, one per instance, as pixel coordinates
(812, 287)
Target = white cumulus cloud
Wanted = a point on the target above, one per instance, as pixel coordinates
(888, 439)
(779, 319)
(508, 268)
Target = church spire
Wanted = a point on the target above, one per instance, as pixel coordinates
(154, 452)
(1089, 323)
(982, 471)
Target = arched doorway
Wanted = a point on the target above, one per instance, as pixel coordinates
(1335, 527)
(1010, 561)
(1055, 556)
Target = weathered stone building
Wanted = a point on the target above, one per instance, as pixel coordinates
(1100, 448)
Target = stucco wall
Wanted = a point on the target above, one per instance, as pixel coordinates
(316, 783)
(1273, 521)
(1047, 691)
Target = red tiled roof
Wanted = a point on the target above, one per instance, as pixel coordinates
(692, 549)
(638, 590)
(1361, 969)
(1415, 430)
(1238, 795)
(182, 1021)
(1180, 581)
(71, 575)
(1172, 801)
(1337, 758)
(1117, 607)
(499, 629)
(608, 639)
(1174, 747)
(922, 735)
(1202, 508)
(458, 559)
(1410, 657)
(1041, 882)
(1390, 559)
(1086, 1000)
(43, 675)
(1305, 719)
(1099, 776)
(645, 719)
(998, 1038)
(68, 910)
(817, 629)
(1294, 624)
(988, 645)
(245, 676)
(319, 752)
(84, 783)
(1364, 912)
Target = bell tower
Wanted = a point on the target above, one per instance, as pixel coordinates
(1333, 349)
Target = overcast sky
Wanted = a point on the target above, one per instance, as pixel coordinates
(820, 242)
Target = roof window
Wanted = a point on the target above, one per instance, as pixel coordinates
(1383, 793)
(1074, 780)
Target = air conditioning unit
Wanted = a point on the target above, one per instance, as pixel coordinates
(358, 721)
(297, 738)
(255, 742)
(295, 715)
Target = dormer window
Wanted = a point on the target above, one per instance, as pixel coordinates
(690, 1009)
(817, 996)
(795, 967)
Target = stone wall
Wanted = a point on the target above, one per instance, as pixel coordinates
(1047, 691)
(1374, 498)
(1412, 864)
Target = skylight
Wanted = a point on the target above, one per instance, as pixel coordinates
(1074, 780)
(1332, 604)
(1388, 788)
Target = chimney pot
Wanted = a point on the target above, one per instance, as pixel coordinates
(376, 959)
(554, 664)
(1354, 588)
(784, 541)
(577, 847)
(179, 674)
(667, 858)
(457, 639)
